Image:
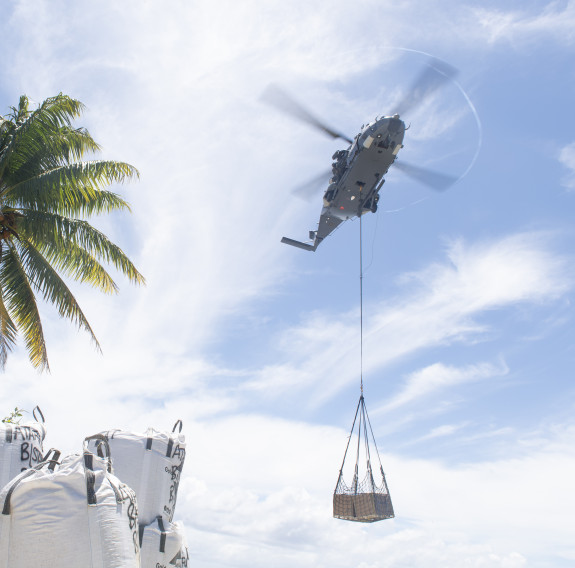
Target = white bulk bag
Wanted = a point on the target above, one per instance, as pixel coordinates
(21, 446)
(163, 545)
(69, 514)
(151, 464)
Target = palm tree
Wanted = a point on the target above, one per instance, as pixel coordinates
(46, 194)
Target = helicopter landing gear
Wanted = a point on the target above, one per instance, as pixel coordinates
(371, 204)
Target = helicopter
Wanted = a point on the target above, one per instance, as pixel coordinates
(358, 171)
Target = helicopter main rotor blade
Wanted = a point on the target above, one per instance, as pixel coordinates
(432, 76)
(434, 180)
(309, 189)
(278, 98)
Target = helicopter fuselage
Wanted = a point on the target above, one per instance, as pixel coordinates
(358, 175)
(368, 160)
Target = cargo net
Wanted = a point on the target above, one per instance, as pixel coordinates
(364, 501)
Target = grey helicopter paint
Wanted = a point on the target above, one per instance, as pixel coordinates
(357, 177)
(358, 172)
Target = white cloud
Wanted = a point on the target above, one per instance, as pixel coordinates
(479, 514)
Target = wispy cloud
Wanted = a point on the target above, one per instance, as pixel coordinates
(555, 21)
(438, 305)
(567, 158)
(437, 377)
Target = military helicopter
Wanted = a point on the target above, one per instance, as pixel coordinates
(358, 171)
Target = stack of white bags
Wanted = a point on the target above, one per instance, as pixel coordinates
(110, 507)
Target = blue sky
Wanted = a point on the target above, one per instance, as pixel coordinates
(468, 319)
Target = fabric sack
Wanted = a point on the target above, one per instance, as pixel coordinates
(21, 446)
(151, 464)
(163, 545)
(72, 513)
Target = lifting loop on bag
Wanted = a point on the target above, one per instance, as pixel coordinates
(176, 425)
(52, 461)
(101, 444)
(37, 409)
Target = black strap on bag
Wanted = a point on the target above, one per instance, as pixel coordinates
(141, 531)
(27, 473)
(101, 445)
(89, 464)
(163, 533)
(51, 462)
(90, 478)
(8, 434)
(171, 440)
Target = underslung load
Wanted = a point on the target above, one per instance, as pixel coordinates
(365, 500)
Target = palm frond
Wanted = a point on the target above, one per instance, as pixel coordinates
(70, 144)
(8, 333)
(73, 246)
(78, 264)
(53, 289)
(32, 129)
(62, 147)
(74, 189)
(20, 303)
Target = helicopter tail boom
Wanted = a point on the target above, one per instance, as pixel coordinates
(303, 246)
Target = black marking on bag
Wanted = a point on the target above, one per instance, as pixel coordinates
(8, 433)
(149, 443)
(170, 446)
